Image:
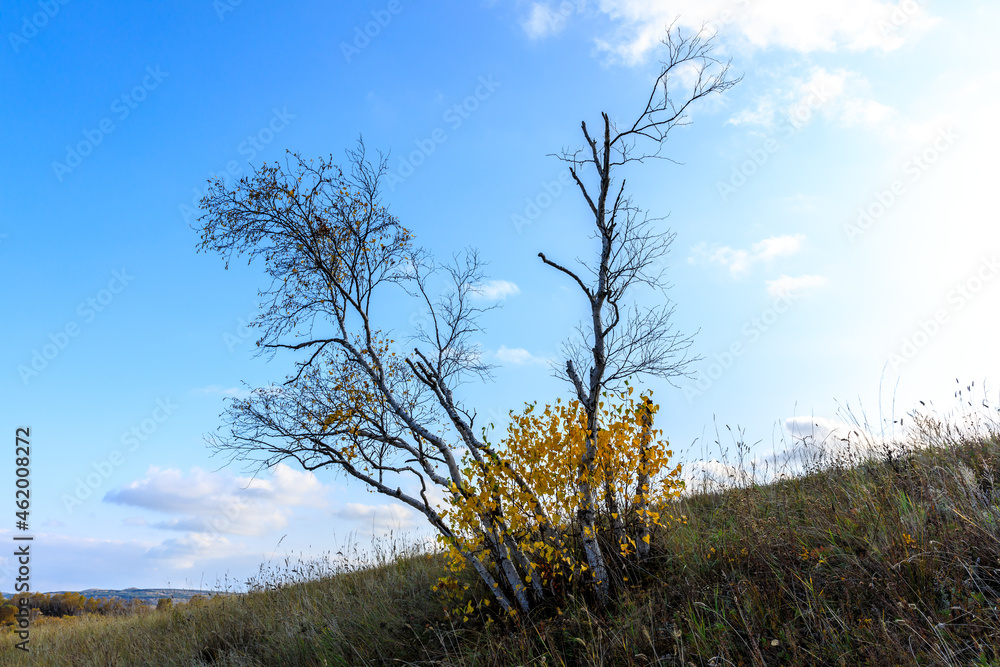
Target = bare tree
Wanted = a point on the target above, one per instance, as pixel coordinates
(620, 339)
(389, 417)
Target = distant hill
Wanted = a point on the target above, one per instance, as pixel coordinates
(147, 595)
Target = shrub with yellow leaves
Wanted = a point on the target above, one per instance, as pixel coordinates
(533, 481)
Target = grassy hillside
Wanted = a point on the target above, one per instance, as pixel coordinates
(884, 558)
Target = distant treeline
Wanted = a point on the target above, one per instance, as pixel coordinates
(67, 604)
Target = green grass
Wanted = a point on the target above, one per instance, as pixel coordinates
(884, 558)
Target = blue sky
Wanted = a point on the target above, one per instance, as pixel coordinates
(834, 217)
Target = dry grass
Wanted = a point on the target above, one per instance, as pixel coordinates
(878, 554)
(888, 555)
(313, 613)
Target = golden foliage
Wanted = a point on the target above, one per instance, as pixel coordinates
(531, 487)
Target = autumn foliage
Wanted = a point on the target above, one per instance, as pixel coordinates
(533, 484)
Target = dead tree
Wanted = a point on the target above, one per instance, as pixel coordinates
(619, 339)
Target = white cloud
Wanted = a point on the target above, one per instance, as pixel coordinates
(777, 246)
(382, 518)
(764, 114)
(518, 356)
(820, 431)
(287, 486)
(856, 111)
(183, 552)
(494, 290)
(237, 519)
(814, 440)
(211, 504)
(840, 96)
(171, 491)
(72, 562)
(211, 515)
(544, 21)
(739, 261)
(713, 475)
(804, 27)
(795, 286)
(815, 435)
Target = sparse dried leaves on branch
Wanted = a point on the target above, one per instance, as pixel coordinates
(355, 401)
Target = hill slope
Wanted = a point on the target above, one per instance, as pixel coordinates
(884, 561)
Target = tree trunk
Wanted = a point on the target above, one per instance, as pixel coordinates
(503, 556)
(591, 549)
(587, 514)
(488, 579)
(614, 511)
(642, 484)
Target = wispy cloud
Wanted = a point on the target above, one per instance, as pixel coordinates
(812, 439)
(739, 261)
(803, 27)
(494, 290)
(795, 286)
(840, 96)
(518, 356)
(544, 21)
(184, 551)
